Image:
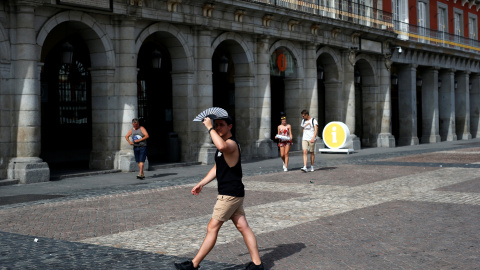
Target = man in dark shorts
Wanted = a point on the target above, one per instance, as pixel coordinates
(139, 137)
(228, 171)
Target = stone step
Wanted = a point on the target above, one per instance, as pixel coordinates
(8, 182)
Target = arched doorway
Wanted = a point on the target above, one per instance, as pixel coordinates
(223, 81)
(281, 67)
(66, 107)
(359, 113)
(155, 105)
(395, 123)
(329, 88)
(367, 116)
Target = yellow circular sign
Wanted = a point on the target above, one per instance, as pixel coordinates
(335, 135)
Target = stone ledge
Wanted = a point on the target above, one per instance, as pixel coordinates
(9, 182)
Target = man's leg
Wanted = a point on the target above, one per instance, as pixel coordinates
(140, 166)
(248, 236)
(209, 241)
(305, 157)
(312, 157)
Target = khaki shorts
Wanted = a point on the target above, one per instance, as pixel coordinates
(308, 145)
(227, 207)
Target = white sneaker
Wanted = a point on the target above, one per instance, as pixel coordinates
(285, 169)
(304, 169)
(311, 169)
(284, 165)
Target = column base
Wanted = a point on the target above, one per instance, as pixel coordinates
(466, 136)
(385, 140)
(28, 170)
(450, 138)
(403, 141)
(266, 148)
(102, 160)
(206, 155)
(431, 139)
(354, 143)
(125, 161)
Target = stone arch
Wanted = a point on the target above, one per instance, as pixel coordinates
(244, 65)
(175, 41)
(330, 58)
(241, 54)
(181, 56)
(300, 73)
(367, 117)
(331, 89)
(367, 68)
(104, 57)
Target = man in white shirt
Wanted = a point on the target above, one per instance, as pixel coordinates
(310, 129)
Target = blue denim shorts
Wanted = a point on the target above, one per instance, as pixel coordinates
(140, 153)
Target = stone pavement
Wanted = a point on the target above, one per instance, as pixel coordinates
(413, 207)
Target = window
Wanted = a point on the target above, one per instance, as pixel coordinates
(442, 21)
(472, 27)
(422, 19)
(457, 25)
(400, 16)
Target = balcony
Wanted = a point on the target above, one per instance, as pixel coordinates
(340, 10)
(433, 37)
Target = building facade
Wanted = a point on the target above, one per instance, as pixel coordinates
(74, 73)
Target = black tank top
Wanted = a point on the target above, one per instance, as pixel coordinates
(229, 178)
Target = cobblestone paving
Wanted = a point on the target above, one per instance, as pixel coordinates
(418, 210)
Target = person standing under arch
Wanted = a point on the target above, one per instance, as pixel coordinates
(284, 136)
(139, 137)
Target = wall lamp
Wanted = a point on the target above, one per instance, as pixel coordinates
(156, 59)
(419, 81)
(394, 79)
(223, 64)
(320, 72)
(398, 48)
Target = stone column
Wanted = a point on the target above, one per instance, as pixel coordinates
(430, 120)
(446, 105)
(310, 82)
(475, 105)
(385, 137)
(245, 114)
(124, 101)
(182, 83)
(407, 98)
(6, 121)
(265, 146)
(204, 92)
(27, 166)
(349, 95)
(105, 131)
(293, 108)
(462, 107)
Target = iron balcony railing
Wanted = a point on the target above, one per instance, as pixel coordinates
(411, 32)
(345, 10)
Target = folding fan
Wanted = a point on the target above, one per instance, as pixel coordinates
(212, 113)
(283, 138)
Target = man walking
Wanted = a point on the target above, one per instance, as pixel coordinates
(310, 129)
(228, 171)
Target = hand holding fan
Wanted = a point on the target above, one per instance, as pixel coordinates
(213, 113)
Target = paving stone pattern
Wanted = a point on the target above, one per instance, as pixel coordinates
(415, 209)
